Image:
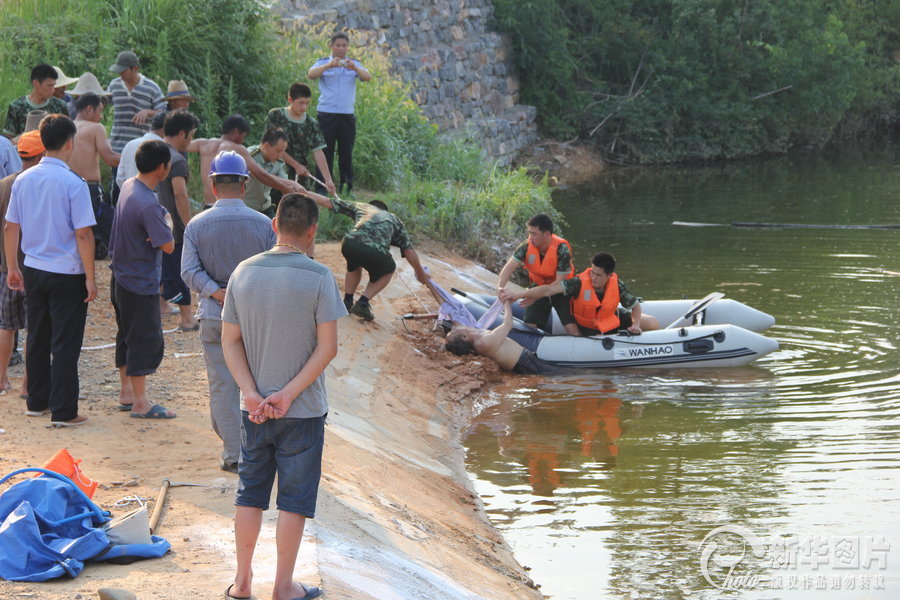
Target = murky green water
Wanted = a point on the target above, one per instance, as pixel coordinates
(606, 485)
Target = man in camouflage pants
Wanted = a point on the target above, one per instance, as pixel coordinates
(368, 246)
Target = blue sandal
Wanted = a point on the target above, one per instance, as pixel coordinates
(157, 412)
(311, 592)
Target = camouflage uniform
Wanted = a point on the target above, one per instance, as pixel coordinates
(563, 256)
(257, 195)
(19, 108)
(375, 228)
(303, 136)
(539, 311)
(572, 287)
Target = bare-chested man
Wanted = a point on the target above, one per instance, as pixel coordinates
(91, 141)
(234, 129)
(496, 345)
(92, 146)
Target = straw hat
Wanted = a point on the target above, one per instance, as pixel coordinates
(88, 83)
(33, 120)
(178, 89)
(62, 80)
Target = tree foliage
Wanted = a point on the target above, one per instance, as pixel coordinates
(668, 80)
(223, 49)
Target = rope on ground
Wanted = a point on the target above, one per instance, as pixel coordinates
(413, 292)
(105, 346)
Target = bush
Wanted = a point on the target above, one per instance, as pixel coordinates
(661, 81)
(223, 49)
(475, 217)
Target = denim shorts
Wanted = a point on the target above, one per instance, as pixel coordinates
(292, 448)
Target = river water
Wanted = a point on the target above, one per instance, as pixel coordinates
(606, 485)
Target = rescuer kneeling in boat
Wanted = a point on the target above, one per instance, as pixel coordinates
(495, 344)
(595, 295)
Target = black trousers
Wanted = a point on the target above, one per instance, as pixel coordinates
(139, 338)
(114, 186)
(56, 315)
(339, 131)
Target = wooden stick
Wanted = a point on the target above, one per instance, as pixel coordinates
(158, 507)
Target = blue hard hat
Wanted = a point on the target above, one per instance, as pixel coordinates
(228, 162)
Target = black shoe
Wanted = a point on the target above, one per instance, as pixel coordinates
(362, 310)
(348, 304)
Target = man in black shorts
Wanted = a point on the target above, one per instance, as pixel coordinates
(368, 246)
(141, 232)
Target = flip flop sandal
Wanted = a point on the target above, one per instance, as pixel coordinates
(311, 592)
(228, 594)
(157, 412)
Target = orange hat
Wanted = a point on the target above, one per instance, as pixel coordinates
(30, 144)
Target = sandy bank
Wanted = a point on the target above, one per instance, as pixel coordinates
(397, 518)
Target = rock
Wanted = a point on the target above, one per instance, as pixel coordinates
(115, 594)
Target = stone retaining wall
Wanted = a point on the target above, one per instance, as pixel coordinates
(460, 71)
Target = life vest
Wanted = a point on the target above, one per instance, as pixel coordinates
(542, 272)
(593, 313)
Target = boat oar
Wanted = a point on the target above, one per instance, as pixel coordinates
(472, 297)
(695, 308)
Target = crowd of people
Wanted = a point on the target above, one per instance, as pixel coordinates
(267, 311)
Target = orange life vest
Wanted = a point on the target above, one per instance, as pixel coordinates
(593, 313)
(542, 272)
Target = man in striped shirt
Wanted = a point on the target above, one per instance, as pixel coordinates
(135, 100)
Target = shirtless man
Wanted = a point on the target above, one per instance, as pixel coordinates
(234, 129)
(91, 141)
(93, 145)
(497, 346)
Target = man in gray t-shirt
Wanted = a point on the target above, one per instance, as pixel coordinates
(279, 332)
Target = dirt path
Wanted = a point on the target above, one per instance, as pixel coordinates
(397, 516)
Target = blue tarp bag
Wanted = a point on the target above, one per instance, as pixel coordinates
(49, 528)
(125, 554)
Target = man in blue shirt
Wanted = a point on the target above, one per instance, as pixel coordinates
(141, 232)
(9, 159)
(51, 207)
(337, 96)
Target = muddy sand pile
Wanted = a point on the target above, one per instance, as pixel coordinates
(397, 516)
